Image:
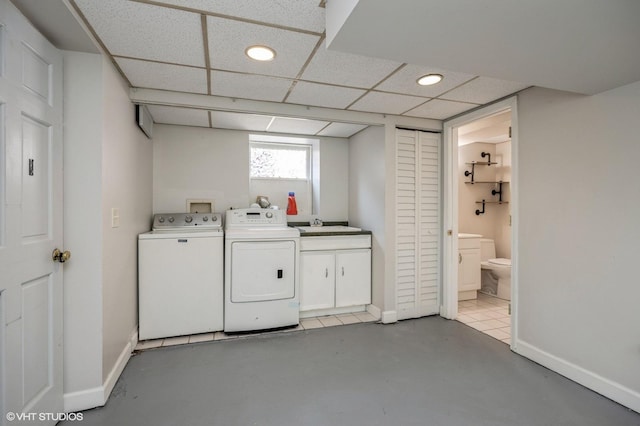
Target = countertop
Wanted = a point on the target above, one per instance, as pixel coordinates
(328, 234)
(462, 235)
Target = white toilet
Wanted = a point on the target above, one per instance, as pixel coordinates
(496, 272)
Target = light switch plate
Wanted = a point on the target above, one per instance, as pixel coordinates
(115, 218)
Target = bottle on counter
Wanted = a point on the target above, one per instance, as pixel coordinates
(292, 207)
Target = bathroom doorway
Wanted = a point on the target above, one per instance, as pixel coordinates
(479, 210)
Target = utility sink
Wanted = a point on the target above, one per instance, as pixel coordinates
(329, 228)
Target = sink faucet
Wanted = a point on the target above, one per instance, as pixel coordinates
(316, 222)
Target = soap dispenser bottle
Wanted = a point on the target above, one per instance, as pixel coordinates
(292, 208)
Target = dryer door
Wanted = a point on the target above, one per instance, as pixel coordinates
(262, 270)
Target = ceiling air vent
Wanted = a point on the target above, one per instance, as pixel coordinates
(144, 120)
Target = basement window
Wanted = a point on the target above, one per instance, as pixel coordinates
(279, 166)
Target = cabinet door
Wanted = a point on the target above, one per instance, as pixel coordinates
(353, 277)
(317, 280)
(468, 269)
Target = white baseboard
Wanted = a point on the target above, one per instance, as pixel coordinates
(389, 317)
(332, 311)
(84, 399)
(97, 397)
(375, 311)
(121, 362)
(612, 390)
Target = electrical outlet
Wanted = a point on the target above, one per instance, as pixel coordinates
(115, 218)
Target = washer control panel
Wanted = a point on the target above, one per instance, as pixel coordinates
(255, 217)
(171, 221)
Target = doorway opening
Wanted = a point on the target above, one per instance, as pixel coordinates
(480, 193)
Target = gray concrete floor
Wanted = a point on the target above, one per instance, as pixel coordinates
(428, 371)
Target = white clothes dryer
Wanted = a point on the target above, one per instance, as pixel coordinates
(180, 276)
(261, 270)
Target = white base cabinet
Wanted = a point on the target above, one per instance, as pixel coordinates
(353, 277)
(317, 280)
(468, 268)
(335, 272)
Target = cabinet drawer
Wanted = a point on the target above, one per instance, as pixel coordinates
(469, 243)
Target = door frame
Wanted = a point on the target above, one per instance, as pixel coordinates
(449, 304)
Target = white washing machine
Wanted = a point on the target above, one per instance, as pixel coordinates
(181, 276)
(261, 270)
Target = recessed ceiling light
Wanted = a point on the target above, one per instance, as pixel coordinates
(429, 79)
(260, 53)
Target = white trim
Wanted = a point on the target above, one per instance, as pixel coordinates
(449, 307)
(449, 296)
(389, 317)
(84, 399)
(119, 365)
(332, 311)
(375, 311)
(220, 103)
(98, 396)
(515, 221)
(610, 389)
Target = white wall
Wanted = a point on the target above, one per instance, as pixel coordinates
(367, 198)
(127, 158)
(107, 163)
(579, 204)
(191, 162)
(82, 217)
(199, 163)
(334, 179)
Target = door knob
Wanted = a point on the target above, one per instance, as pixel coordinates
(59, 256)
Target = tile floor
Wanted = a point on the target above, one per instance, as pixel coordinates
(305, 324)
(487, 314)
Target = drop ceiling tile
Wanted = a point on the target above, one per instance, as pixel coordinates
(323, 95)
(405, 81)
(386, 103)
(180, 116)
(438, 109)
(228, 40)
(144, 31)
(483, 90)
(245, 86)
(342, 130)
(155, 75)
(239, 121)
(329, 66)
(302, 14)
(298, 126)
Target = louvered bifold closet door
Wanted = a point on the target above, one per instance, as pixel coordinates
(417, 223)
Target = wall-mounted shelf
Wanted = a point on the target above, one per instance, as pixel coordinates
(484, 203)
(487, 181)
(494, 191)
(482, 163)
(473, 165)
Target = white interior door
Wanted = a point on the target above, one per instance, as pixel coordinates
(30, 219)
(418, 223)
